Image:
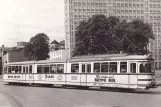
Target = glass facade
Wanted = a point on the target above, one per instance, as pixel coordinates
(148, 10)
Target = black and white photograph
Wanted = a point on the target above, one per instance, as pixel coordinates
(80, 53)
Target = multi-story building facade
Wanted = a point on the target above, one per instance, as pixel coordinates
(148, 10)
(59, 54)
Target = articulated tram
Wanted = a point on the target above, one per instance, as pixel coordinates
(121, 71)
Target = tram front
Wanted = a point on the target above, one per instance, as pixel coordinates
(146, 75)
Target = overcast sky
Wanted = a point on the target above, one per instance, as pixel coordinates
(22, 19)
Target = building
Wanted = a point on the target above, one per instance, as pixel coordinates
(59, 54)
(21, 44)
(55, 45)
(15, 55)
(3, 51)
(148, 10)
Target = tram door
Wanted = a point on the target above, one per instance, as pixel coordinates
(24, 73)
(85, 68)
(133, 77)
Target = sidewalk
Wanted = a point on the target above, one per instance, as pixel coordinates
(3, 101)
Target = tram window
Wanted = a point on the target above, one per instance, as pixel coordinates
(133, 68)
(60, 68)
(13, 69)
(88, 68)
(46, 68)
(30, 69)
(83, 68)
(96, 67)
(19, 69)
(74, 68)
(16, 69)
(27, 69)
(24, 71)
(144, 68)
(9, 69)
(40, 69)
(104, 67)
(53, 69)
(113, 67)
(123, 67)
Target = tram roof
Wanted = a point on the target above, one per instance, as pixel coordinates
(35, 62)
(20, 63)
(50, 61)
(113, 57)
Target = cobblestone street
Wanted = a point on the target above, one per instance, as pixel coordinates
(29, 96)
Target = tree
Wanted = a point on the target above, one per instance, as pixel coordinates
(100, 34)
(38, 47)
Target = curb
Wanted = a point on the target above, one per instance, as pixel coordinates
(12, 101)
(4, 102)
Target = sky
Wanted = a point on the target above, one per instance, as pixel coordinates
(22, 19)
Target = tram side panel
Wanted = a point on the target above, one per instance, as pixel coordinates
(145, 80)
(72, 78)
(107, 80)
(12, 78)
(29, 74)
(49, 78)
(10, 75)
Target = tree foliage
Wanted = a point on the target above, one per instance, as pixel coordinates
(100, 34)
(38, 47)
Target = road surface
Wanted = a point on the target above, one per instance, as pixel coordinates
(28, 96)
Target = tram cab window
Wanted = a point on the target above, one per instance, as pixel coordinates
(60, 68)
(96, 67)
(113, 67)
(104, 67)
(46, 68)
(30, 69)
(145, 68)
(53, 68)
(40, 69)
(74, 68)
(123, 67)
(9, 69)
(132, 67)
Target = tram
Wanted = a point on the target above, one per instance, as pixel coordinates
(116, 71)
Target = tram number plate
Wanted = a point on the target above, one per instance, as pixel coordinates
(73, 77)
(111, 80)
